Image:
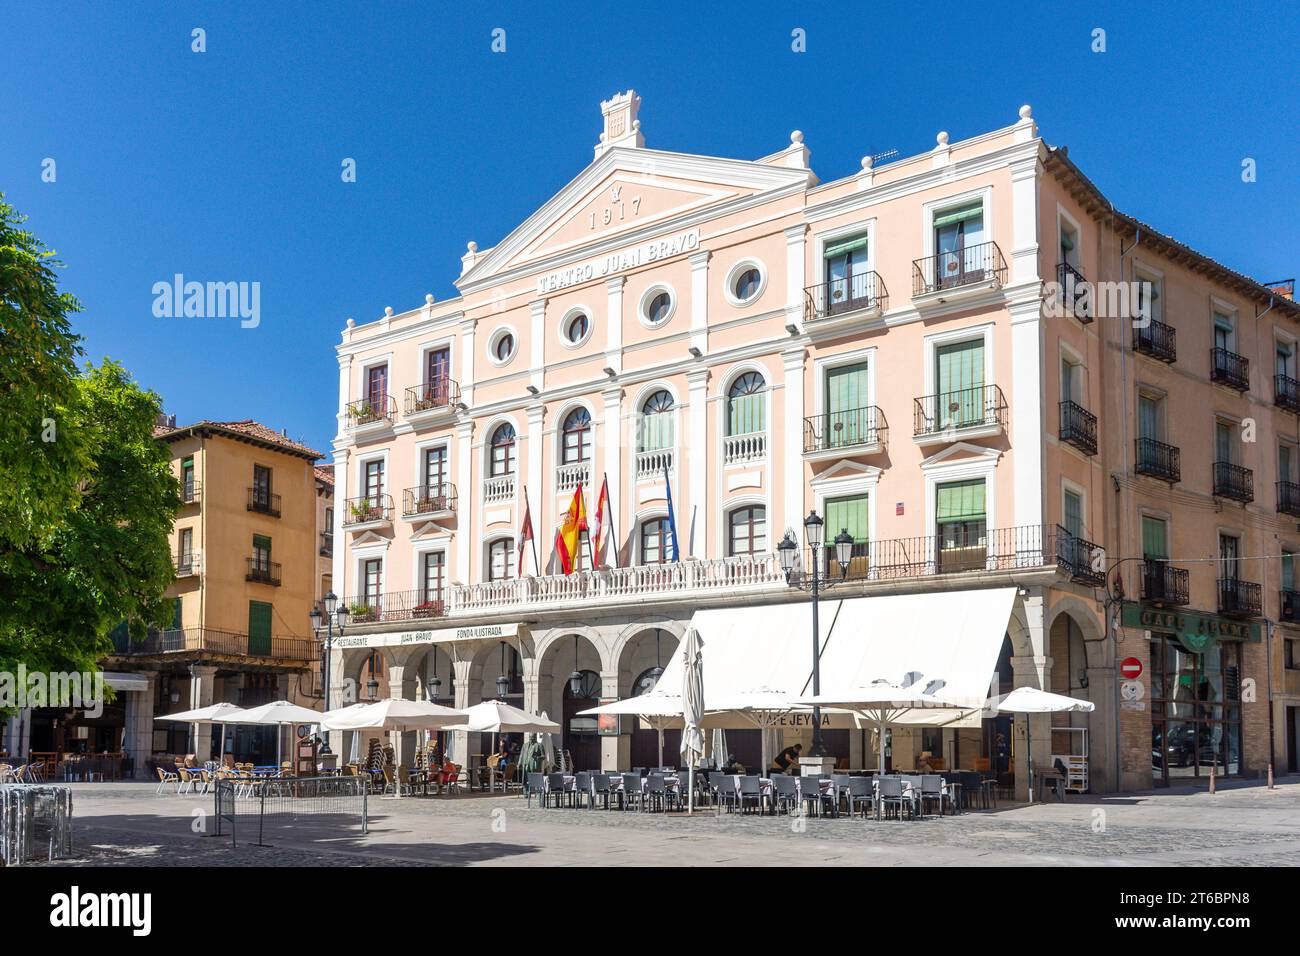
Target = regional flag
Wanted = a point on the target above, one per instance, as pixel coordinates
(602, 519)
(525, 535)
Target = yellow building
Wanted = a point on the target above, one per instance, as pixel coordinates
(250, 546)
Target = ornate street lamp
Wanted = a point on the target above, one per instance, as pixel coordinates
(575, 679)
(788, 552)
(503, 682)
(335, 614)
(651, 678)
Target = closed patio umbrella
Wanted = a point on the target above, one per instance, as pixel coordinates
(1031, 700)
(692, 749)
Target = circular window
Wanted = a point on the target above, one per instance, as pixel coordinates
(575, 327)
(501, 347)
(660, 308)
(578, 326)
(745, 282)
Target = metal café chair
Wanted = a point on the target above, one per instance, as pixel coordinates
(599, 787)
(860, 790)
(582, 787)
(932, 791)
(655, 791)
(633, 791)
(785, 792)
(892, 794)
(749, 789)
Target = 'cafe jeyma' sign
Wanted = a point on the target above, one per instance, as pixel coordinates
(620, 261)
(1195, 631)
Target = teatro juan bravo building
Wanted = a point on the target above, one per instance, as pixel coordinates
(891, 348)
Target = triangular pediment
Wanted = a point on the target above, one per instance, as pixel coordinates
(624, 198)
(427, 529)
(846, 470)
(962, 451)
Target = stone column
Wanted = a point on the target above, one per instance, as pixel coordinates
(615, 752)
(401, 686)
(696, 456)
(201, 678)
(1032, 670)
(700, 300)
(460, 740)
(140, 724)
(537, 496)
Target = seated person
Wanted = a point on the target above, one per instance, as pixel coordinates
(733, 766)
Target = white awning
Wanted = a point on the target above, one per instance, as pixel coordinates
(125, 682)
(952, 637)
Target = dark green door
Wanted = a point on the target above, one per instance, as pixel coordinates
(259, 628)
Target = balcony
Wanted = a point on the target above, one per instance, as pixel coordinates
(652, 464)
(1078, 427)
(1288, 498)
(395, 606)
(186, 564)
(1157, 340)
(1286, 393)
(374, 413)
(256, 696)
(966, 413)
(191, 492)
(1032, 549)
(372, 511)
(841, 302)
(262, 571)
(858, 431)
(1289, 606)
(431, 401)
(327, 544)
(1073, 288)
(1164, 585)
(570, 476)
(499, 489)
(738, 449)
(1239, 598)
(263, 502)
(1234, 482)
(1230, 369)
(197, 643)
(1158, 460)
(1083, 560)
(429, 501)
(940, 277)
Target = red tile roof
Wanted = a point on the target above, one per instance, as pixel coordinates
(245, 429)
(325, 473)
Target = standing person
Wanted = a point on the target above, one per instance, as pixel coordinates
(787, 758)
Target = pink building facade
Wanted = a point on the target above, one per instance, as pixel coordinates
(888, 349)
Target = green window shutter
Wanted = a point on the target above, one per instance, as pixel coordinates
(1148, 418)
(973, 210)
(1154, 543)
(657, 431)
(176, 616)
(261, 543)
(745, 414)
(1222, 441)
(960, 501)
(1288, 571)
(846, 388)
(259, 628)
(1074, 514)
(848, 245)
(847, 513)
(960, 375)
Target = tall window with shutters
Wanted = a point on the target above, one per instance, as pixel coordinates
(848, 415)
(962, 530)
(655, 427)
(959, 374)
(848, 514)
(746, 405)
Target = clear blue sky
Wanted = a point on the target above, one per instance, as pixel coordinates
(225, 165)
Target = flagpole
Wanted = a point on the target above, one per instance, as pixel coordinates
(532, 535)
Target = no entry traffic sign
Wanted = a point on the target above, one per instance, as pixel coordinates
(1130, 668)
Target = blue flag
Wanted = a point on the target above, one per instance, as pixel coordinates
(672, 517)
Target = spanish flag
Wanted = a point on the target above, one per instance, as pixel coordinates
(569, 536)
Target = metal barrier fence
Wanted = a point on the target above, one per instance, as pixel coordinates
(35, 823)
(326, 800)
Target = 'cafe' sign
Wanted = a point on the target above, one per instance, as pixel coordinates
(1195, 631)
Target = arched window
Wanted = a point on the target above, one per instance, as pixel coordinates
(747, 531)
(503, 450)
(501, 559)
(746, 405)
(656, 541)
(656, 431)
(577, 437)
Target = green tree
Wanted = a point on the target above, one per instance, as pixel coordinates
(87, 495)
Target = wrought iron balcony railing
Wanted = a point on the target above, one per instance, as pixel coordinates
(262, 571)
(432, 396)
(1158, 460)
(1239, 598)
(395, 606)
(1288, 498)
(1082, 559)
(186, 564)
(1165, 585)
(191, 492)
(982, 262)
(263, 502)
(963, 408)
(367, 508)
(196, 643)
(1157, 340)
(1289, 605)
(846, 429)
(862, 291)
(1078, 427)
(1234, 482)
(1229, 368)
(429, 499)
(327, 544)
(1286, 393)
(371, 410)
(1073, 288)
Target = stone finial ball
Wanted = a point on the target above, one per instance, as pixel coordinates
(796, 136)
(388, 310)
(1026, 111)
(942, 138)
(472, 246)
(866, 162)
(428, 298)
